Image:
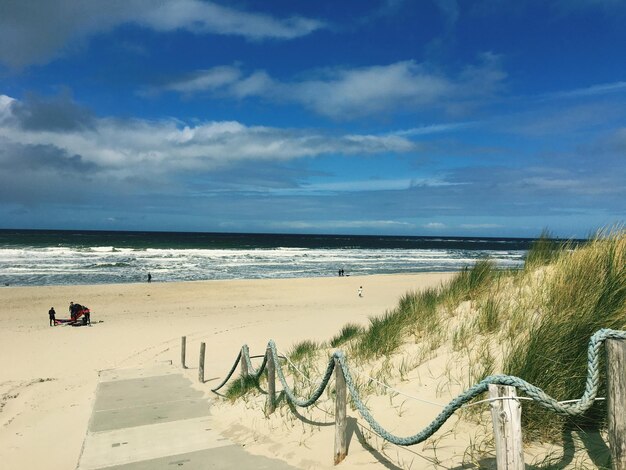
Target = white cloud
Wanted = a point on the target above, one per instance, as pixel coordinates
(259, 83)
(5, 107)
(130, 147)
(372, 89)
(209, 17)
(35, 32)
(434, 225)
(593, 90)
(480, 226)
(432, 129)
(346, 93)
(206, 80)
(340, 224)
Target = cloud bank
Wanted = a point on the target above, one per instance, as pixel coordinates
(56, 139)
(354, 92)
(34, 32)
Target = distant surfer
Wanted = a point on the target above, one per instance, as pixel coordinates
(149, 277)
(52, 315)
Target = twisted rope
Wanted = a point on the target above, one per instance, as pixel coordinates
(574, 408)
(256, 373)
(228, 376)
(303, 403)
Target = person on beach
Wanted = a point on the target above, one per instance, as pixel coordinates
(52, 315)
(361, 291)
(149, 277)
(72, 310)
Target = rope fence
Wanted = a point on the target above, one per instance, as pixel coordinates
(502, 388)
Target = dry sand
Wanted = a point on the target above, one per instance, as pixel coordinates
(49, 375)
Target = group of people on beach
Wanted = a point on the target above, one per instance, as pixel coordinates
(75, 311)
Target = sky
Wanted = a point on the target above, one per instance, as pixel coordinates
(389, 117)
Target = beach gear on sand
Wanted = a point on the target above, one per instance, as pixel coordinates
(79, 311)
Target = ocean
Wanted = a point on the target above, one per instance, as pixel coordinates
(55, 257)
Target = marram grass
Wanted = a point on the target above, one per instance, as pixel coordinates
(303, 349)
(348, 332)
(565, 293)
(534, 323)
(242, 386)
(585, 291)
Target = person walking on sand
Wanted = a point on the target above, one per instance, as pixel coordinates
(51, 314)
(149, 277)
(361, 291)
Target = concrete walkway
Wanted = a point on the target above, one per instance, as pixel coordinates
(154, 419)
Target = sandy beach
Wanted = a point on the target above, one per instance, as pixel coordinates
(49, 374)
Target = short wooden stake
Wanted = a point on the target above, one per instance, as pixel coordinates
(506, 415)
(616, 401)
(270, 404)
(341, 448)
(183, 347)
(201, 367)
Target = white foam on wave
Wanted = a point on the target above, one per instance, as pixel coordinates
(67, 265)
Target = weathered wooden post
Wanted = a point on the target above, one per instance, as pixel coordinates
(183, 347)
(244, 364)
(201, 367)
(616, 385)
(341, 449)
(270, 404)
(506, 415)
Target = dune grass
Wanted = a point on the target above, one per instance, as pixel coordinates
(544, 250)
(533, 323)
(586, 292)
(303, 349)
(542, 317)
(242, 386)
(470, 283)
(348, 332)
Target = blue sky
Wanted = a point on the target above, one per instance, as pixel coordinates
(430, 117)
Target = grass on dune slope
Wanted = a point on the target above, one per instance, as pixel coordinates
(534, 323)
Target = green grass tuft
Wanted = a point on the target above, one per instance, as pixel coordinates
(585, 292)
(348, 332)
(488, 319)
(383, 337)
(469, 283)
(304, 349)
(544, 250)
(241, 387)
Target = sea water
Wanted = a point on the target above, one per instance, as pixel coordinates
(43, 257)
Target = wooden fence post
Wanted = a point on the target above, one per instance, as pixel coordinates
(507, 426)
(340, 414)
(201, 367)
(616, 385)
(183, 347)
(243, 365)
(270, 404)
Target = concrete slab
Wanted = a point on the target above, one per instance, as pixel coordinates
(144, 391)
(164, 368)
(223, 458)
(153, 419)
(123, 446)
(152, 413)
